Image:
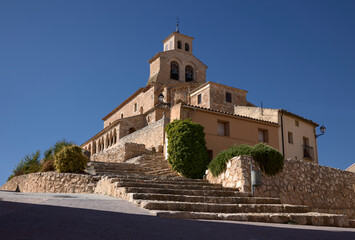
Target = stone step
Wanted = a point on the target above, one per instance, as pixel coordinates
(175, 179)
(167, 186)
(163, 181)
(204, 199)
(222, 208)
(316, 219)
(216, 193)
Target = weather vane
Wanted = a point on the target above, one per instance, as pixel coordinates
(177, 24)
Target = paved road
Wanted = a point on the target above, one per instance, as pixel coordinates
(85, 216)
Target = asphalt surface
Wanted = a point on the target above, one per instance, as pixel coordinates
(86, 216)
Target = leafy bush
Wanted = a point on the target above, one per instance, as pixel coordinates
(219, 163)
(270, 160)
(59, 145)
(48, 165)
(70, 159)
(187, 148)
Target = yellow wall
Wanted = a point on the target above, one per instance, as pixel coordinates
(241, 131)
(295, 150)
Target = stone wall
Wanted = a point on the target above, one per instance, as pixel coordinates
(51, 182)
(323, 188)
(151, 135)
(119, 153)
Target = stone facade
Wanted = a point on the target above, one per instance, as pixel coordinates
(324, 189)
(51, 182)
(214, 96)
(151, 136)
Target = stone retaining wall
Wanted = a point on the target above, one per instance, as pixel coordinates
(151, 135)
(51, 182)
(119, 153)
(323, 188)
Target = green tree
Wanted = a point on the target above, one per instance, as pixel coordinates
(29, 164)
(187, 148)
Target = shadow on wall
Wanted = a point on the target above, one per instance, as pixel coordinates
(31, 221)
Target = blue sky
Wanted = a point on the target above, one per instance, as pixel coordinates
(66, 64)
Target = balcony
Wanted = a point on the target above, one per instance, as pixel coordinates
(308, 152)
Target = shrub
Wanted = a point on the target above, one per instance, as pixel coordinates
(268, 158)
(48, 165)
(187, 148)
(59, 145)
(219, 163)
(70, 159)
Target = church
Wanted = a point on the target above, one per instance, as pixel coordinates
(177, 89)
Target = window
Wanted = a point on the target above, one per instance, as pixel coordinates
(297, 123)
(174, 70)
(179, 44)
(171, 45)
(187, 47)
(199, 99)
(262, 136)
(189, 73)
(121, 115)
(166, 47)
(135, 107)
(223, 128)
(228, 97)
(290, 137)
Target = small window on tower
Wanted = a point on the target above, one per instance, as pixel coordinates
(199, 99)
(179, 44)
(228, 97)
(135, 107)
(187, 47)
(174, 70)
(189, 73)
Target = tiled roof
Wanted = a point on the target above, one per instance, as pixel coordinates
(228, 113)
(297, 116)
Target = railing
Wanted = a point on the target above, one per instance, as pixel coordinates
(308, 152)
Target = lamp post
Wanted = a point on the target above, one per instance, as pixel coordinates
(161, 98)
(322, 130)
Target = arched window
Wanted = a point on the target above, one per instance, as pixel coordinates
(131, 130)
(114, 136)
(187, 47)
(179, 44)
(174, 71)
(93, 147)
(189, 73)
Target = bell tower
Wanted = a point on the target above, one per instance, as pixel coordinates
(176, 64)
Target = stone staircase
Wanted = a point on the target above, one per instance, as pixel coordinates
(177, 197)
(146, 164)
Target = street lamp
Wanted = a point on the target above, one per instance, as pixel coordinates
(161, 98)
(322, 130)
